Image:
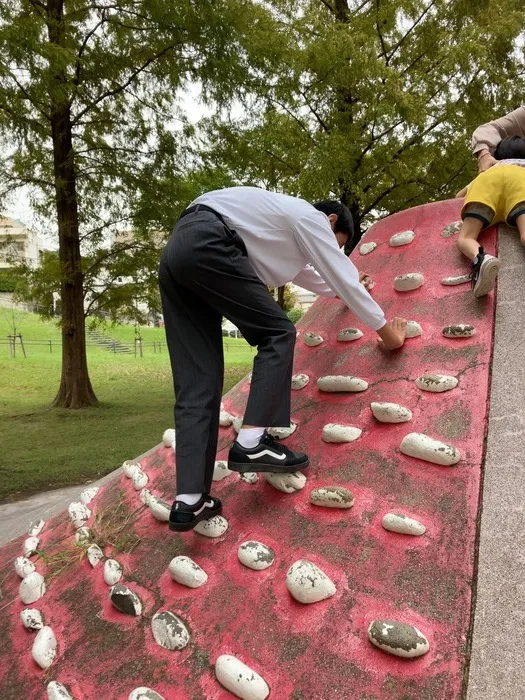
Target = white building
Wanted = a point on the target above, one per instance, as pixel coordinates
(18, 244)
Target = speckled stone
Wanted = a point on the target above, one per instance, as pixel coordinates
(125, 600)
(256, 555)
(36, 527)
(397, 522)
(367, 248)
(408, 282)
(346, 335)
(31, 545)
(94, 555)
(44, 648)
(287, 483)
(413, 329)
(436, 383)
(24, 567)
(220, 471)
(307, 583)
(341, 383)
(402, 238)
(459, 330)
(188, 573)
(112, 572)
(332, 497)
(169, 631)
(240, 679)
(333, 432)
(159, 509)
(79, 513)
(144, 693)
(89, 494)
(32, 588)
(283, 432)
(454, 280)
(398, 638)
(57, 691)
(312, 339)
(386, 412)
(249, 477)
(168, 437)
(32, 619)
(424, 447)
(451, 229)
(214, 527)
(299, 381)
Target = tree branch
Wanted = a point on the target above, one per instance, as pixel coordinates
(287, 165)
(400, 42)
(30, 99)
(120, 88)
(313, 111)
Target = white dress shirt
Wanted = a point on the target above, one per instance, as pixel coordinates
(288, 240)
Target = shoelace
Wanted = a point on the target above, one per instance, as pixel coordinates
(272, 442)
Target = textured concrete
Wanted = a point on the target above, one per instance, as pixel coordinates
(496, 667)
(15, 517)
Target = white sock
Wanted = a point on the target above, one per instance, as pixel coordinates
(250, 437)
(190, 499)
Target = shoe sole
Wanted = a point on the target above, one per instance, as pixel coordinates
(487, 278)
(186, 527)
(243, 468)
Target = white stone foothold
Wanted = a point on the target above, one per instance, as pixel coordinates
(408, 282)
(168, 437)
(423, 447)
(78, 513)
(346, 335)
(140, 479)
(220, 470)
(57, 691)
(312, 339)
(386, 412)
(459, 330)
(145, 496)
(237, 423)
(144, 693)
(249, 477)
(112, 572)
(213, 527)
(287, 483)
(32, 588)
(333, 432)
(332, 497)
(159, 509)
(283, 432)
(340, 383)
(367, 248)
(454, 280)
(169, 631)
(402, 238)
(188, 573)
(125, 600)
(94, 555)
(413, 329)
(24, 567)
(256, 555)
(36, 527)
(129, 468)
(299, 381)
(307, 583)
(32, 619)
(89, 494)
(83, 537)
(31, 545)
(44, 647)
(398, 638)
(241, 680)
(436, 383)
(451, 229)
(397, 522)
(225, 419)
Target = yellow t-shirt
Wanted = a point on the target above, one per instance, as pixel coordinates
(501, 188)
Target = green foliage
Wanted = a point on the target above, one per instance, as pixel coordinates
(289, 297)
(295, 315)
(374, 102)
(9, 280)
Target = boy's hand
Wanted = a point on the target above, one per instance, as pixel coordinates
(393, 334)
(367, 282)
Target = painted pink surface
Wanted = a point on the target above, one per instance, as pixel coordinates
(304, 652)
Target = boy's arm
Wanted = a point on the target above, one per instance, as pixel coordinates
(317, 241)
(487, 136)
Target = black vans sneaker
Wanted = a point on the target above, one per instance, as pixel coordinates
(267, 456)
(485, 269)
(184, 517)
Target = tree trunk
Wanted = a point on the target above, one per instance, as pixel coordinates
(280, 296)
(75, 389)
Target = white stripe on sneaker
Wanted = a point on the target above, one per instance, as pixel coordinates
(266, 452)
(207, 504)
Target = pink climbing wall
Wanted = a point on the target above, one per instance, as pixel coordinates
(304, 652)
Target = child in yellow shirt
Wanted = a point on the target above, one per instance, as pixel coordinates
(495, 195)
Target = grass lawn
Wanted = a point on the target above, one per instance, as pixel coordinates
(42, 448)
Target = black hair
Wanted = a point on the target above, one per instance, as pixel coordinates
(510, 147)
(344, 223)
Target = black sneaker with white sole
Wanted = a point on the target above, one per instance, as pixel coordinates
(184, 517)
(485, 269)
(268, 456)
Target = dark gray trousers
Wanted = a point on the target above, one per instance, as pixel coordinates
(204, 275)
